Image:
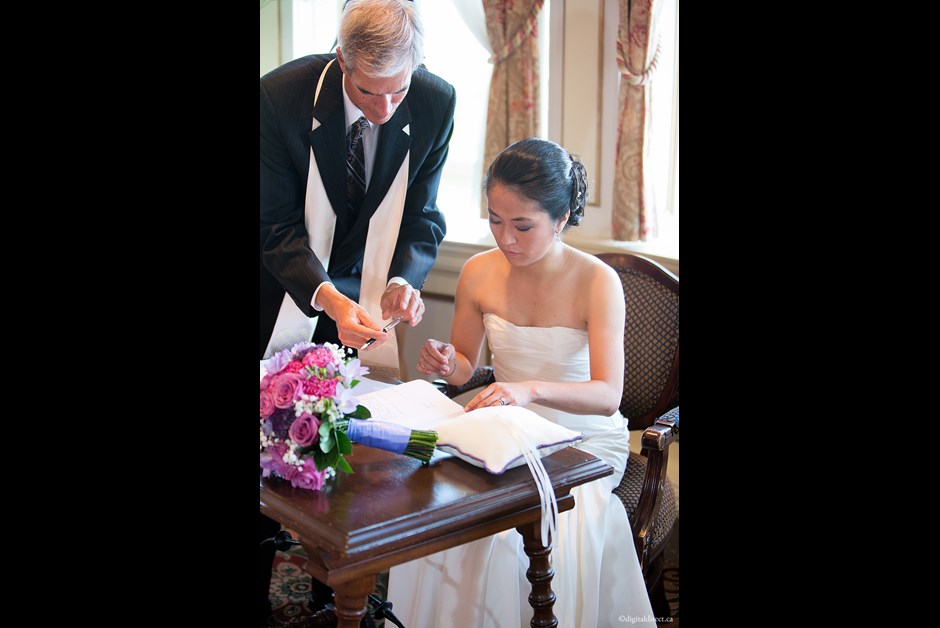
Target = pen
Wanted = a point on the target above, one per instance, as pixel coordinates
(385, 329)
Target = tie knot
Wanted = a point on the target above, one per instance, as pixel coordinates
(358, 127)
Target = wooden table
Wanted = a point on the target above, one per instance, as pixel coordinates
(393, 509)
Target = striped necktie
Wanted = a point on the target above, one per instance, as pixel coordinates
(355, 169)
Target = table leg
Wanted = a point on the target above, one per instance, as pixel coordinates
(350, 600)
(540, 574)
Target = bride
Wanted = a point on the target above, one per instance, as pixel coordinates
(553, 317)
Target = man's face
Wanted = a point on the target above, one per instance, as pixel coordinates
(377, 97)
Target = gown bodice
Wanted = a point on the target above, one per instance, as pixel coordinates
(556, 354)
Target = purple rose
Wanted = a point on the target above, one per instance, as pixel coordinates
(267, 405)
(304, 429)
(287, 471)
(280, 422)
(308, 477)
(285, 389)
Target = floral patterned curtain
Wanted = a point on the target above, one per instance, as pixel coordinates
(512, 112)
(634, 215)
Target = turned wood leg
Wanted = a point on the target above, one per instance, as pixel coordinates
(540, 574)
(350, 600)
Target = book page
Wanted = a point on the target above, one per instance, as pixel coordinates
(370, 383)
(416, 404)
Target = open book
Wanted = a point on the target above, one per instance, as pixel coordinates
(493, 438)
(416, 404)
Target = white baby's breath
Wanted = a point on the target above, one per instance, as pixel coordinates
(290, 457)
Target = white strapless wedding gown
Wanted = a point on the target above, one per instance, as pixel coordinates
(598, 582)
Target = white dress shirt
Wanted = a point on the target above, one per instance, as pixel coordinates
(370, 141)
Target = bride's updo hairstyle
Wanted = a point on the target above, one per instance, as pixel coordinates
(542, 171)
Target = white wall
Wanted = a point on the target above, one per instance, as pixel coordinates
(438, 314)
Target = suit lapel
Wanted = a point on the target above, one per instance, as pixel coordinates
(329, 142)
(394, 142)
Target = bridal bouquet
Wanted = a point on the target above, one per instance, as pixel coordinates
(309, 418)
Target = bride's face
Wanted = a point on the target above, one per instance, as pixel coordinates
(524, 232)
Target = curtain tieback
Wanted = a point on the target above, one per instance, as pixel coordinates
(521, 34)
(629, 76)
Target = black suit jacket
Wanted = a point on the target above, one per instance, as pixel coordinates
(287, 112)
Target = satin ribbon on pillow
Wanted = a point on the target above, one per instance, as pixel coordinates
(542, 482)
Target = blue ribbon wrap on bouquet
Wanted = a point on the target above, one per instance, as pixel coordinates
(379, 434)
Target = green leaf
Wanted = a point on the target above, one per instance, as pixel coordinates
(361, 412)
(326, 444)
(309, 449)
(333, 458)
(344, 466)
(343, 443)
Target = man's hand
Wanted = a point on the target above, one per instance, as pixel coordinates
(353, 324)
(402, 300)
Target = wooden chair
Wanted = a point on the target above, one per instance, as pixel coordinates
(650, 401)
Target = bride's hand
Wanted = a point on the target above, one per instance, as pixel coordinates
(439, 358)
(499, 394)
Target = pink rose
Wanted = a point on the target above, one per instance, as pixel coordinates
(304, 429)
(266, 381)
(318, 357)
(284, 389)
(267, 404)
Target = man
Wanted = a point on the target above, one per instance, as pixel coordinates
(359, 262)
(410, 112)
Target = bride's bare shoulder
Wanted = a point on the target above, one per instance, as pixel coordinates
(591, 266)
(482, 263)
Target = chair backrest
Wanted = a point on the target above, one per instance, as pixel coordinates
(650, 338)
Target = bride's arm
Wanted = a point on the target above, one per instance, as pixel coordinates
(456, 362)
(605, 339)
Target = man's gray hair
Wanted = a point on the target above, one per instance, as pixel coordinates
(381, 37)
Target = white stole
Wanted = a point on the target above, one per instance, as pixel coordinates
(292, 325)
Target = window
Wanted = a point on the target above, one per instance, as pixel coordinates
(456, 55)
(453, 52)
(665, 125)
(313, 26)
(296, 28)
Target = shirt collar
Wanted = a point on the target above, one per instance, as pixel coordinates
(353, 112)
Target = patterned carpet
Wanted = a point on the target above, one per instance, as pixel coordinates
(671, 576)
(290, 586)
